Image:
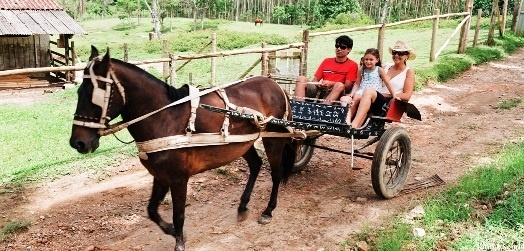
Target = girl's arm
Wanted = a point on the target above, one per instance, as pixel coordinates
(385, 78)
(357, 84)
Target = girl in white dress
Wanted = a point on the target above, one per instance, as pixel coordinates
(371, 75)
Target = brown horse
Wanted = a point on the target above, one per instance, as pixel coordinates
(258, 21)
(159, 115)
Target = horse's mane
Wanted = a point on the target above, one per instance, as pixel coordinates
(173, 93)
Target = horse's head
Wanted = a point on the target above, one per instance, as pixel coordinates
(98, 103)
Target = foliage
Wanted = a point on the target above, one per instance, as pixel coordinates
(280, 14)
(510, 42)
(451, 65)
(331, 8)
(481, 54)
(487, 6)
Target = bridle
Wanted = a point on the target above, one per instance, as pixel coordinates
(102, 98)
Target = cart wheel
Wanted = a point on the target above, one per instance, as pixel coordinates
(391, 162)
(304, 154)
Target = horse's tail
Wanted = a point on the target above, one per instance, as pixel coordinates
(288, 158)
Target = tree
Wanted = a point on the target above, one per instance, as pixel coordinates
(155, 15)
(331, 8)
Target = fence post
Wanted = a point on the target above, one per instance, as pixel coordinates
(491, 33)
(213, 59)
(436, 12)
(172, 69)
(165, 65)
(463, 42)
(126, 53)
(264, 60)
(380, 43)
(305, 40)
(272, 62)
(477, 28)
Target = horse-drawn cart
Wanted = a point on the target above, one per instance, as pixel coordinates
(176, 139)
(391, 160)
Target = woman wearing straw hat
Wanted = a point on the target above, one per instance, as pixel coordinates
(402, 79)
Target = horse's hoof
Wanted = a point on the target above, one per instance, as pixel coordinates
(264, 219)
(180, 247)
(242, 216)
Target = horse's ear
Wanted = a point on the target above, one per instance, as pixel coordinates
(104, 64)
(94, 53)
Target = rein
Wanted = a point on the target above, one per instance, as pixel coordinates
(101, 98)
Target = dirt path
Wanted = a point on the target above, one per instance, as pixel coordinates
(319, 207)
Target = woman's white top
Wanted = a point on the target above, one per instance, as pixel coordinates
(396, 82)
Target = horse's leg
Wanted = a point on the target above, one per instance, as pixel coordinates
(178, 195)
(255, 162)
(274, 149)
(159, 193)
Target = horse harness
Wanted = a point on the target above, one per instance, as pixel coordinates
(102, 99)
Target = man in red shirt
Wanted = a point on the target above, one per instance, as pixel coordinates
(335, 75)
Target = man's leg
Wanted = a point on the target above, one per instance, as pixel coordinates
(335, 93)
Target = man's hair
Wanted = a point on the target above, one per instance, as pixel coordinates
(345, 40)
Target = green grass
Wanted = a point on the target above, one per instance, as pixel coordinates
(510, 103)
(13, 227)
(37, 142)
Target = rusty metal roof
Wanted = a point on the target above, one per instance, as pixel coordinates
(32, 22)
(31, 17)
(29, 5)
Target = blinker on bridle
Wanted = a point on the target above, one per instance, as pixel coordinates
(102, 98)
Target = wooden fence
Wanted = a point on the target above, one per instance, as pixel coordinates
(268, 55)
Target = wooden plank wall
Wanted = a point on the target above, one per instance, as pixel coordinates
(24, 52)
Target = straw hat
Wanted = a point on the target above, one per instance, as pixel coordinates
(403, 46)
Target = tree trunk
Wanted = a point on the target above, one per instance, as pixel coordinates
(155, 16)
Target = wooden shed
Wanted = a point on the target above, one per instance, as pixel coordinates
(36, 33)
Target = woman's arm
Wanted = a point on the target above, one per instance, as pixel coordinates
(385, 79)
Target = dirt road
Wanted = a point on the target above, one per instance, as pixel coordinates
(318, 208)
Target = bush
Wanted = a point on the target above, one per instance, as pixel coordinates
(481, 54)
(451, 66)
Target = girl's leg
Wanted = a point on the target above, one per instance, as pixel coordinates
(368, 97)
(354, 107)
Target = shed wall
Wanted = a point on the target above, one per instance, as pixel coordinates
(24, 52)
